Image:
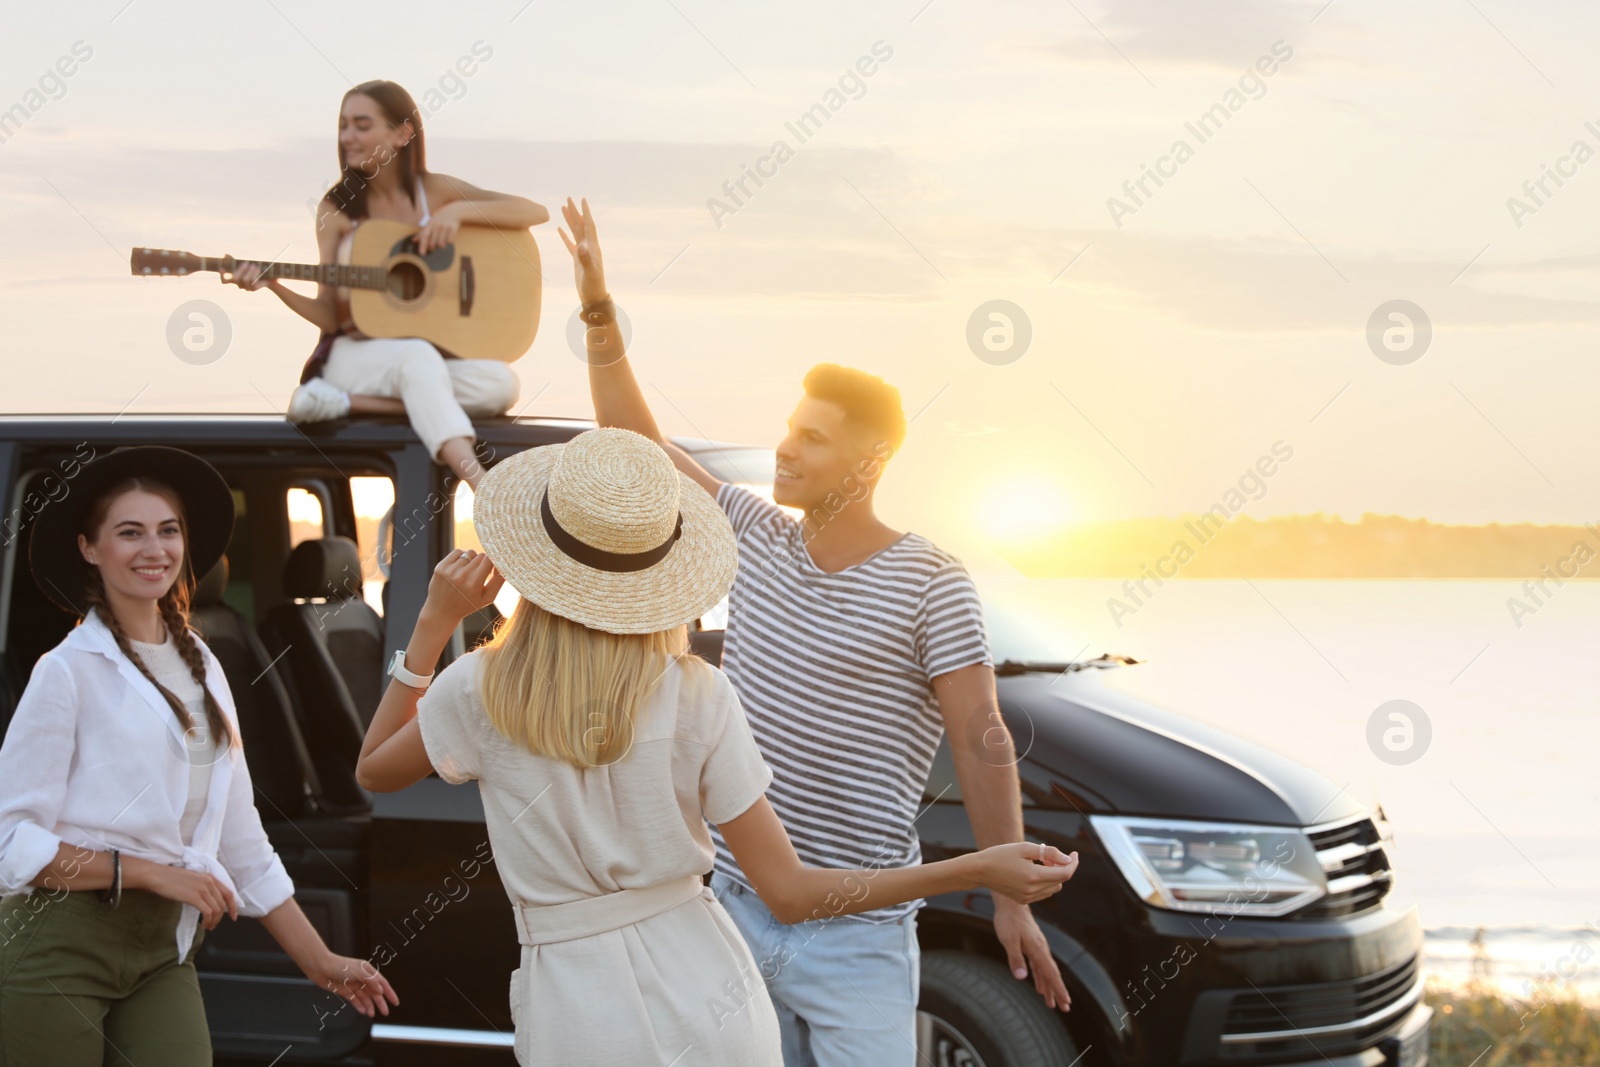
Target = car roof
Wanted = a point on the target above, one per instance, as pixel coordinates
(223, 429)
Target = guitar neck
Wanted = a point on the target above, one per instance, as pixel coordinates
(342, 275)
(151, 262)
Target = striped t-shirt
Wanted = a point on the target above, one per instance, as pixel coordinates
(834, 673)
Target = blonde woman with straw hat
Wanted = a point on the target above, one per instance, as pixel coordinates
(602, 746)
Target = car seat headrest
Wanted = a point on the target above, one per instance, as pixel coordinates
(324, 567)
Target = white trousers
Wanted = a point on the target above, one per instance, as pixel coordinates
(441, 396)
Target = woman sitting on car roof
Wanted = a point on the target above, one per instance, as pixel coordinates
(383, 174)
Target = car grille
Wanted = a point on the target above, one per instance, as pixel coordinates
(1353, 858)
(1327, 1018)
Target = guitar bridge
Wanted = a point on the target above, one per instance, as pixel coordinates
(469, 285)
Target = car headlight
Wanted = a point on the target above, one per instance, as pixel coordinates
(1231, 868)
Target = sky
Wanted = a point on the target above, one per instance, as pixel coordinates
(1357, 154)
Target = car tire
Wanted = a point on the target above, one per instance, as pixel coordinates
(973, 1013)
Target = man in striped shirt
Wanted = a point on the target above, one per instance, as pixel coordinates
(853, 648)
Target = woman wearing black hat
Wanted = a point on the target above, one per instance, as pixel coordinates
(122, 772)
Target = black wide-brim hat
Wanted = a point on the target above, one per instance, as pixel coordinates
(60, 569)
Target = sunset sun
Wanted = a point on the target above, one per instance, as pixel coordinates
(1024, 509)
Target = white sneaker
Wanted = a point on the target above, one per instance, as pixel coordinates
(317, 401)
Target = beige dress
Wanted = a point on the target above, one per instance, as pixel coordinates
(626, 957)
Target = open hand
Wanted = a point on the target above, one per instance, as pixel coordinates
(588, 271)
(357, 981)
(1025, 871)
(464, 582)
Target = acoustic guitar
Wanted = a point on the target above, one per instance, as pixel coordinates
(477, 298)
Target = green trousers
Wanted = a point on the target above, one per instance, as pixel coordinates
(86, 985)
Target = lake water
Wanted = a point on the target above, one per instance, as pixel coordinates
(1495, 820)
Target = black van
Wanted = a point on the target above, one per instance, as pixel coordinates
(1230, 907)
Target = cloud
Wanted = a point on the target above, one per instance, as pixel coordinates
(1269, 285)
(1177, 35)
(1253, 286)
(851, 224)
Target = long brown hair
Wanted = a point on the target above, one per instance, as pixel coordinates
(568, 692)
(174, 607)
(349, 196)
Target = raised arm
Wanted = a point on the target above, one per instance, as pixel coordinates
(392, 754)
(794, 892)
(618, 400)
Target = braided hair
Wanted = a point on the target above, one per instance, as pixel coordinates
(173, 605)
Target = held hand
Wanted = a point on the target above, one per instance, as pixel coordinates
(247, 276)
(1014, 870)
(441, 230)
(463, 582)
(357, 981)
(197, 888)
(588, 271)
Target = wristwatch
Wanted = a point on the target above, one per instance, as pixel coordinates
(397, 671)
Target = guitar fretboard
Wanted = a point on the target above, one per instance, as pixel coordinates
(154, 262)
(344, 276)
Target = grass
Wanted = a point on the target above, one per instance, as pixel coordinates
(1480, 1027)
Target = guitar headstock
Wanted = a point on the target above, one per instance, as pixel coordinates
(163, 262)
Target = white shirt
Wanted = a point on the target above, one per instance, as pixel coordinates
(199, 747)
(94, 757)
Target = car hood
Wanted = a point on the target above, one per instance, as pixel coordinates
(1108, 753)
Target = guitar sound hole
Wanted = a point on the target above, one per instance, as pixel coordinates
(406, 281)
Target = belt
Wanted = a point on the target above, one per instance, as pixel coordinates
(548, 923)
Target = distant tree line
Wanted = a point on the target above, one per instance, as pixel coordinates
(1312, 546)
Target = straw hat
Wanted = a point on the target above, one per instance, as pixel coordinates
(603, 530)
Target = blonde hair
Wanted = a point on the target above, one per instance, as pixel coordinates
(563, 690)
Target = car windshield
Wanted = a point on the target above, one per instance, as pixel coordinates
(1025, 632)
(741, 464)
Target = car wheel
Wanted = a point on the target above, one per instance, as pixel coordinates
(973, 1013)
